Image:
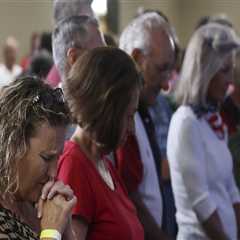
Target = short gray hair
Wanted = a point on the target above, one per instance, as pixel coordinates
(71, 32)
(207, 51)
(138, 33)
(63, 9)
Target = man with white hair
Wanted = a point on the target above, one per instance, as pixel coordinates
(148, 40)
(63, 9)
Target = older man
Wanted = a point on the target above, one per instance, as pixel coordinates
(148, 40)
(63, 9)
(71, 37)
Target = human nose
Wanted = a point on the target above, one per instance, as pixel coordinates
(52, 170)
(165, 77)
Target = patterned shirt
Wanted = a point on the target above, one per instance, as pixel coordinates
(13, 229)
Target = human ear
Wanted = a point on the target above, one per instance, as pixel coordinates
(72, 55)
(138, 56)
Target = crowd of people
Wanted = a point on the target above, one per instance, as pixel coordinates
(131, 140)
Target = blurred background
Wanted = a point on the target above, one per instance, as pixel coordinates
(22, 18)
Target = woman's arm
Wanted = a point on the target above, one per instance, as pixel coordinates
(69, 233)
(151, 228)
(235, 197)
(80, 228)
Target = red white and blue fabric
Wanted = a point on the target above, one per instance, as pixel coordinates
(216, 123)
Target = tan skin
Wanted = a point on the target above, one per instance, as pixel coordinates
(156, 66)
(152, 231)
(56, 199)
(93, 152)
(216, 93)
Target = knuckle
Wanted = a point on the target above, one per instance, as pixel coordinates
(67, 186)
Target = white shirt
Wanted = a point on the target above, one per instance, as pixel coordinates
(201, 174)
(149, 188)
(7, 76)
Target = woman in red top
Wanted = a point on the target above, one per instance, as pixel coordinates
(102, 91)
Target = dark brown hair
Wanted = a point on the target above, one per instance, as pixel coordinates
(98, 89)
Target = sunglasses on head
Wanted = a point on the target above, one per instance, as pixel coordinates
(50, 98)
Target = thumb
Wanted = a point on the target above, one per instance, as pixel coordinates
(40, 208)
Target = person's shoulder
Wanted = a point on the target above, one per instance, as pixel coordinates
(72, 155)
(12, 228)
(185, 113)
(4, 215)
(185, 121)
(70, 148)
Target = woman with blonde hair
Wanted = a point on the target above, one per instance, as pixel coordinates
(33, 119)
(206, 196)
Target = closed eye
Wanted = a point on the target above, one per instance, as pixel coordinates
(47, 158)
